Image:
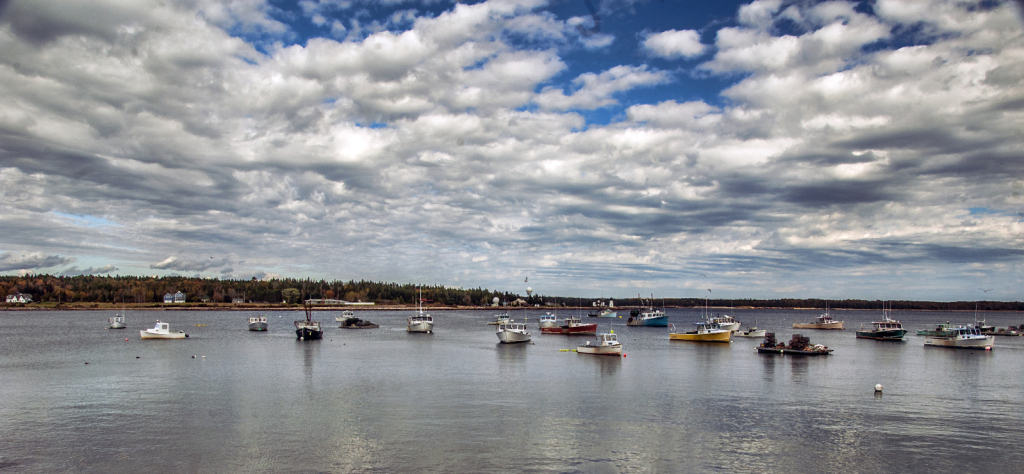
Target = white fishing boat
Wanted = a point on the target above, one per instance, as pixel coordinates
(825, 321)
(257, 323)
(117, 321)
(726, 322)
(962, 337)
(345, 316)
(752, 332)
(502, 318)
(161, 331)
(548, 320)
(607, 344)
(512, 333)
(420, 322)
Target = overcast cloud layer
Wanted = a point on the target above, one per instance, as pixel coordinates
(854, 151)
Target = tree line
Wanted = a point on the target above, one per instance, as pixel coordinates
(142, 290)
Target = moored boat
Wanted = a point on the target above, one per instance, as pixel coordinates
(798, 345)
(420, 323)
(572, 327)
(943, 329)
(547, 320)
(962, 337)
(502, 318)
(824, 321)
(604, 313)
(885, 330)
(117, 321)
(512, 333)
(345, 315)
(356, 323)
(706, 331)
(307, 329)
(161, 331)
(257, 323)
(607, 344)
(726, 322)
(649, 316)
(752, 332)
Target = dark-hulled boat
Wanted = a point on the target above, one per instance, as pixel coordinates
(307, 329)
(885, 330)
(572, 327)
(798, 345)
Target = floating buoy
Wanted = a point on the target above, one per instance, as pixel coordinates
(204, 357)
(86, 363)
(126, 338)
(878, 387)
(193, 357)
(137, 357)
(623, 354)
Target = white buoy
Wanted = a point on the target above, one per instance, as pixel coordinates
(878, 387)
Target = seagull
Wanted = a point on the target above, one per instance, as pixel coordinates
(986, 291)
(703, 275)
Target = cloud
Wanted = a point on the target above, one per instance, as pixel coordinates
(73, 271)
(595, 90)
(673, 44)
(188, 265)
(451, 141)
(28, 261)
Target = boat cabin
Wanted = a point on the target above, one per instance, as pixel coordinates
(608, 340)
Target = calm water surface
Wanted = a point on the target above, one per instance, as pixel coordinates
(75, 396)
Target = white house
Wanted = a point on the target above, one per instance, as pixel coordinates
(179, 297)
(19, 298)
(168, 298)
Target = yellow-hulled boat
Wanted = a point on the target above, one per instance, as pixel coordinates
(705, 332)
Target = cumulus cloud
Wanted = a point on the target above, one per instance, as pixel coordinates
(595, 90)
(478, 140)
(188, 265)
(673, 44)
(30, 261)
(74, 271)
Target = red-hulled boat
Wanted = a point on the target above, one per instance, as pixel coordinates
(572, 327)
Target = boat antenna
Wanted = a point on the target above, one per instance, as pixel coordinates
(706, 303)
(307, 305)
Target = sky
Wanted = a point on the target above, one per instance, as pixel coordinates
(597, 148)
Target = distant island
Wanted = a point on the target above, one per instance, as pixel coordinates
(175, 292)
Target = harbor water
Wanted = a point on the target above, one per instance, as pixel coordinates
(76, 397)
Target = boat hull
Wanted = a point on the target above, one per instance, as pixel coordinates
(832, 325)
(983, 343)
(605, 314)
(600, 350)
(752, 333)
(258, 326)
(659, 321)
(117, 325)
(307, 334)
(775, 350)
(420, 326)
(886, 335)
(581, 330)
(547, 324)
(732, 327)
(173, 335)
(512, 337)
(717, 336)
